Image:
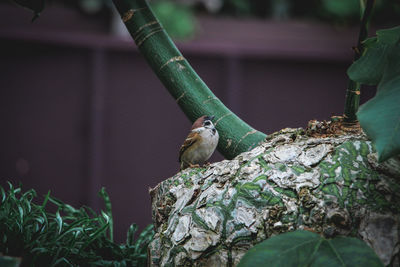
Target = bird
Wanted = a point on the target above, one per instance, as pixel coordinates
(200, 144)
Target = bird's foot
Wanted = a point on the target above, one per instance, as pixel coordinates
(194, 166)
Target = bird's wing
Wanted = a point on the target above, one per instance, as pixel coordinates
(191, 139)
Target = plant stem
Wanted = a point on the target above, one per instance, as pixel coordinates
(353, 88)
(182, 82)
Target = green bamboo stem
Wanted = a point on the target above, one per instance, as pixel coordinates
(353, 89)
(182, 82)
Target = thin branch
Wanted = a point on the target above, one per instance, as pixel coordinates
(353, 88)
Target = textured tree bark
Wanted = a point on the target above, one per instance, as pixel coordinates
(187, 88)
(332, 185)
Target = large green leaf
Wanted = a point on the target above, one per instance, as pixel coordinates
(389, 36)
(380, 118)
(380, 65)
(370, 67)
(304, 248)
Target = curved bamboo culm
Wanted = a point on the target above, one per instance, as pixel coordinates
(187, 88)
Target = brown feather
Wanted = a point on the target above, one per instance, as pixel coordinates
(191, 139)
(199, 122)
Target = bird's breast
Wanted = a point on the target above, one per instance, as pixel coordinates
(209, 142)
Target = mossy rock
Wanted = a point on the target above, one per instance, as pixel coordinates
(332, 185)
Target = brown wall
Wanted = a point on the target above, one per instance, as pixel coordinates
(80, 109)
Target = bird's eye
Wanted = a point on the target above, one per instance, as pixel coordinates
(207, 123)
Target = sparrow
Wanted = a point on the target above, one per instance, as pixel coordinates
(200, 144)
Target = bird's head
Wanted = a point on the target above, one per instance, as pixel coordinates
(204, 121)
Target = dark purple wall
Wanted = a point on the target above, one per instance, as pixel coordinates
(80, 109)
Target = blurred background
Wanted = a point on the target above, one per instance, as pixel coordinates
(80, 108)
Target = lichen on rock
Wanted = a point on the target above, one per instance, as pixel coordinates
(331, 185)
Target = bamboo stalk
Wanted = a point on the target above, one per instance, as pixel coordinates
(353, 89)
(182, 82)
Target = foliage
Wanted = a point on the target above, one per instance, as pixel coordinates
(341, 8)
(304, 248)
(169, 12)
(67, 237)
(380, 65)
(6, 261)
(178, 20)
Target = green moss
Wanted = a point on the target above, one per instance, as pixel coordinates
(270, 199)
(297, 169)
(364, 149)
(287, 192)
(264, 164)
(288, 218)
(346, 178)
(238, 226)
(251, 186)
(280, 166)
(173, 252)
(188, 182)
(238, 239)
(343, 175)
(261, 177)
(195, 171)
(188, 209)
(199, 221)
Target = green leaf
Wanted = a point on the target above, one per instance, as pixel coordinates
(3, 195)
(6, 261)
(370, 42)
(131, 234)
(370, 67)
(380, 119)
(74, 239)
(380, 116)
(389, 36)
(59, 222)
(108, 213)
(144, 238)
(303, 248)
(46, 198)
(94, 236)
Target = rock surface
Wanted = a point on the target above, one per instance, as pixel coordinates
(332, 185)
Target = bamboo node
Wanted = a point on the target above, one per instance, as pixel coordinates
(154, 22)
(180, 97)
(129, 14)
(229, 143)
(243, 137)
(227, 114)
(140, 42)
(173, 59)
(210, 99)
